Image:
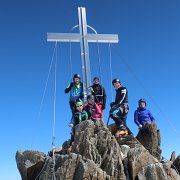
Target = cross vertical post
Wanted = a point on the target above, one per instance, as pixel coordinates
(84, 38)
(84, 51)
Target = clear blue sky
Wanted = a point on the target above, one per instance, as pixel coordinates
(147, 61)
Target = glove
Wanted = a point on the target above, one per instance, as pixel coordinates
(68, 88)
(103, 107)
(140, 127)
(71, 125)
(115, 113)
(112, 104)
(71, 85)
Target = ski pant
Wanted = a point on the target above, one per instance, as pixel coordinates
(72, 106)
(122, 121)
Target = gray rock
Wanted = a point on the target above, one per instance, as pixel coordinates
(170, 172)
(96, 154)
(94, 141)
(149, 137)
(125, 149)
(29, 163)
(139, 157)
(176, 164)
(152, 172)
(173, 156)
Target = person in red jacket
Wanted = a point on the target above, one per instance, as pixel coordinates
(92, 108)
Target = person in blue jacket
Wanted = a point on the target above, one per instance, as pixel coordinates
(142, 115)
(76, 92)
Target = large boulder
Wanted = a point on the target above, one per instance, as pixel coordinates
(142, 165)
(176, 164)
(29, 163)
(149, 137)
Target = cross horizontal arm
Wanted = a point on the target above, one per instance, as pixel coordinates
(102, 38)
(73, 37)
(64, 37)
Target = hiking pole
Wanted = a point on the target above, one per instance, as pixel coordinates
(108, 117)
(108, 120)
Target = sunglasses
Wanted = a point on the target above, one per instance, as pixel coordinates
(79, 106)
(91, 99)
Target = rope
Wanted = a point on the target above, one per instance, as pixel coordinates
(45, 163)
(171, 165)
(45, 88)
(47, 160)
(110, 63)
(149, 95)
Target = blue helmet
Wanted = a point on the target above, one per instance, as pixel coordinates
(142, 101)
(96, 78)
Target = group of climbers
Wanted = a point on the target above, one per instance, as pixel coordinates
(96, 103)
(81, 111)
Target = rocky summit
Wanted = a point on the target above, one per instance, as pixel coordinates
(96, 154)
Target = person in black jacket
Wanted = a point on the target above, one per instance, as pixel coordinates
(99, 93)
(119, 108)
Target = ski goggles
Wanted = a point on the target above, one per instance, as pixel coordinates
(79, 106)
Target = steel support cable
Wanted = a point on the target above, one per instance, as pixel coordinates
(44, 92)
(99, 60)
(171, 165)
(149, 95)
(110, 67)
(54, 119)
(55, 87)
(100, 71)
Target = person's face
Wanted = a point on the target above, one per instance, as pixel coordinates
(79, 107)
(142, 105)
(117, 85)
(91, 101)
(76, 80)
(96, 81)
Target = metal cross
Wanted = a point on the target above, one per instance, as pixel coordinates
(84, 38)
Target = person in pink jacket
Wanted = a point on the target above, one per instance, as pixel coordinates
(92, 108)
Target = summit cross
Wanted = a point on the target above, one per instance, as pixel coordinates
(84, 38)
